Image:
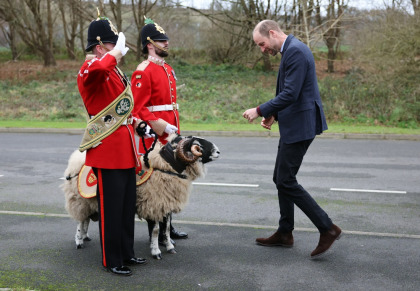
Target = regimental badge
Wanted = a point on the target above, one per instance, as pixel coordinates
(159, 28)
(114, 30)
(138, 85)
(173, 74)
(91, 179)
(123, 106)
(94, 130)
(109, 120)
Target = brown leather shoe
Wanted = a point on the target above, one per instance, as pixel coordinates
(326, 240)
(277, 239)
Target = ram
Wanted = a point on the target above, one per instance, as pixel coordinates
(170, 171)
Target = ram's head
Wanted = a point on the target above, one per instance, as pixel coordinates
(191, 148)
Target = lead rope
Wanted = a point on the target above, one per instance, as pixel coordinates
(140, 128)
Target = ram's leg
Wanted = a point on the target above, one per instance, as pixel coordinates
(85, 227)
(167, 240)
(80, 233)
(154, 244)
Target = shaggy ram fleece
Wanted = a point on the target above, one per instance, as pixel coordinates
(78, 207)
(164, 193)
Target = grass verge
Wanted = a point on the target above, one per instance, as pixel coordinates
(333, 127)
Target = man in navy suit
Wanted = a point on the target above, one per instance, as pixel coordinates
(298, 109)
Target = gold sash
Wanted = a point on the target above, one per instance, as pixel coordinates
(108, 120)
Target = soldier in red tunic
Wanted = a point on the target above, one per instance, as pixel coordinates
(154, 88)
(110, 143)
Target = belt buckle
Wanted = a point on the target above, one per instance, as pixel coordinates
(174, 106)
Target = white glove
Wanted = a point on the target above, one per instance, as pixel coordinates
(147, 132)
(120, 45)
(171, 129)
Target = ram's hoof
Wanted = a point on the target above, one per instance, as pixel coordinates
(87, 239)
(172, 251)
(157, 257)
(78, 247)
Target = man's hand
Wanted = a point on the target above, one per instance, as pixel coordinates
(120, 45)
(267, 122)
(251, 114)
(171, 129)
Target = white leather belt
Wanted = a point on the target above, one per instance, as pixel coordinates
(166, 107)
(128, 121)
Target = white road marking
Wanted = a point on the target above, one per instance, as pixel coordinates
(363, 233)
(215, 184)
(368, 191)
(226, 185)
(34, 213)
(381, 234)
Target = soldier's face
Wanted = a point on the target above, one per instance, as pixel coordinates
(163, 44)
(101, 50)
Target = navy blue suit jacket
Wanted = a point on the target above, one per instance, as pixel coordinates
(297, 104)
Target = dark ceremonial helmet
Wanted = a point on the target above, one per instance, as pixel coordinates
(101, 30)
(153, 31)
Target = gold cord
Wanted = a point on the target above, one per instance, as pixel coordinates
(98, 38)
(156, 45)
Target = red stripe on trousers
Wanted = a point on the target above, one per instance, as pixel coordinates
(101, 196)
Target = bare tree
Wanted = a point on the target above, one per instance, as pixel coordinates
(237, 19)
(69, 7)
(116, 11)
(82, 21)
(332, 33)
(416, 6)
(311, 27)
(30, 24)
(9, 31)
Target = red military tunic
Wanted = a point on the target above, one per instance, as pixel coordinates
(153, 84)
(99, 84)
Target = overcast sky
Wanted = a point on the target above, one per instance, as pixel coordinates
(366, 4)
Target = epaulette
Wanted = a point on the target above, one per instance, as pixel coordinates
(142, 66)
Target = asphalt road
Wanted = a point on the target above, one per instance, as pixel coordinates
(370, 188)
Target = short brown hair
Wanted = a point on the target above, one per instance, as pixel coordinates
(265, 26)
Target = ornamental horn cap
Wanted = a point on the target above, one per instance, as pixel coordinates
(101, 30)
(151, 31)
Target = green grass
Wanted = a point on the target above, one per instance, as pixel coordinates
(40, 124)
(333, 127)
(358, 128)
(212, 97)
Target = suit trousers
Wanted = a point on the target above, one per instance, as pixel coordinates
(290, 192)
(116, 195)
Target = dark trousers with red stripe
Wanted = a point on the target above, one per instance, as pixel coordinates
(116, 195)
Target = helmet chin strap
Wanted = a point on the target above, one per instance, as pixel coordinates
(156, 45)
(98, 38)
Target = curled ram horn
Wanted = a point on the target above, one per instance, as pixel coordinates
(188, 155)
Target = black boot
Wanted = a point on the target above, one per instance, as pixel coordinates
(174, 233)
